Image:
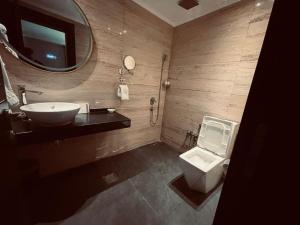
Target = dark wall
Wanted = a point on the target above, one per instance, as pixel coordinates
(260, 187)
(9, 183)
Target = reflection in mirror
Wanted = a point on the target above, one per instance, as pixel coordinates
(129, 62)
(52, 35)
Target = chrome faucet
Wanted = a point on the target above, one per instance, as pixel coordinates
(22, 94)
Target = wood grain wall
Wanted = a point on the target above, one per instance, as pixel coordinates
(212, 65)
(147, 38)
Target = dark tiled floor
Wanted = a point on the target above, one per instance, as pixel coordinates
(140, 196)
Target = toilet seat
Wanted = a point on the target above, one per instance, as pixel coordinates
(202, 165)
(202, 159)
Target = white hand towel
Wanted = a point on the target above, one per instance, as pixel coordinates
(3, 30)
(4, 35)
(123, 92)
(12, 99)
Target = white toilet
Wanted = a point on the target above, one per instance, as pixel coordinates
(203, 165)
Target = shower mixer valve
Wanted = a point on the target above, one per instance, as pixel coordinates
(152, 101)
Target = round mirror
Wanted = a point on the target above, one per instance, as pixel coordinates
(51, 35)
(129, 62)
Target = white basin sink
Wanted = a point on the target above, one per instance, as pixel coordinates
(51, 113)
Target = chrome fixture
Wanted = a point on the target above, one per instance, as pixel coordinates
(22, 94)
(153, 100)
(167, 84)
(191, 138)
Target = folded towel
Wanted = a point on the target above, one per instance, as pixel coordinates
(123, 92)
(12, 99)
(3, 31)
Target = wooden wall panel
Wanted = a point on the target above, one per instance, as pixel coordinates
(147, 38)
(212, 66)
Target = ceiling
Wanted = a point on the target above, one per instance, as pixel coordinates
(173, 14)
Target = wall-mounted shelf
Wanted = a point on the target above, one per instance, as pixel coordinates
(26, 132)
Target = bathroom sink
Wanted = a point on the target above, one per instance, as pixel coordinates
(51, 113)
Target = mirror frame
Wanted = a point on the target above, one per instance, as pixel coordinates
(124, 64)
(35, 65)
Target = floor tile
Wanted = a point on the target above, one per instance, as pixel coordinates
(140, 195)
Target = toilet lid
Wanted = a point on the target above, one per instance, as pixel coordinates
(215, 135)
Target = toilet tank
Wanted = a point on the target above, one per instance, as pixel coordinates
(218, 135)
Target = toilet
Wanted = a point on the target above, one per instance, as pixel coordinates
(203, 165)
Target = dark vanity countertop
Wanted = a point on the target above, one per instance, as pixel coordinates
(26, 132)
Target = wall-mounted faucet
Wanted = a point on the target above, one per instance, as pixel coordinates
(22, 94)
(152, 101)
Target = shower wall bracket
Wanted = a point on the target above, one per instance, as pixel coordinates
(167, 84)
